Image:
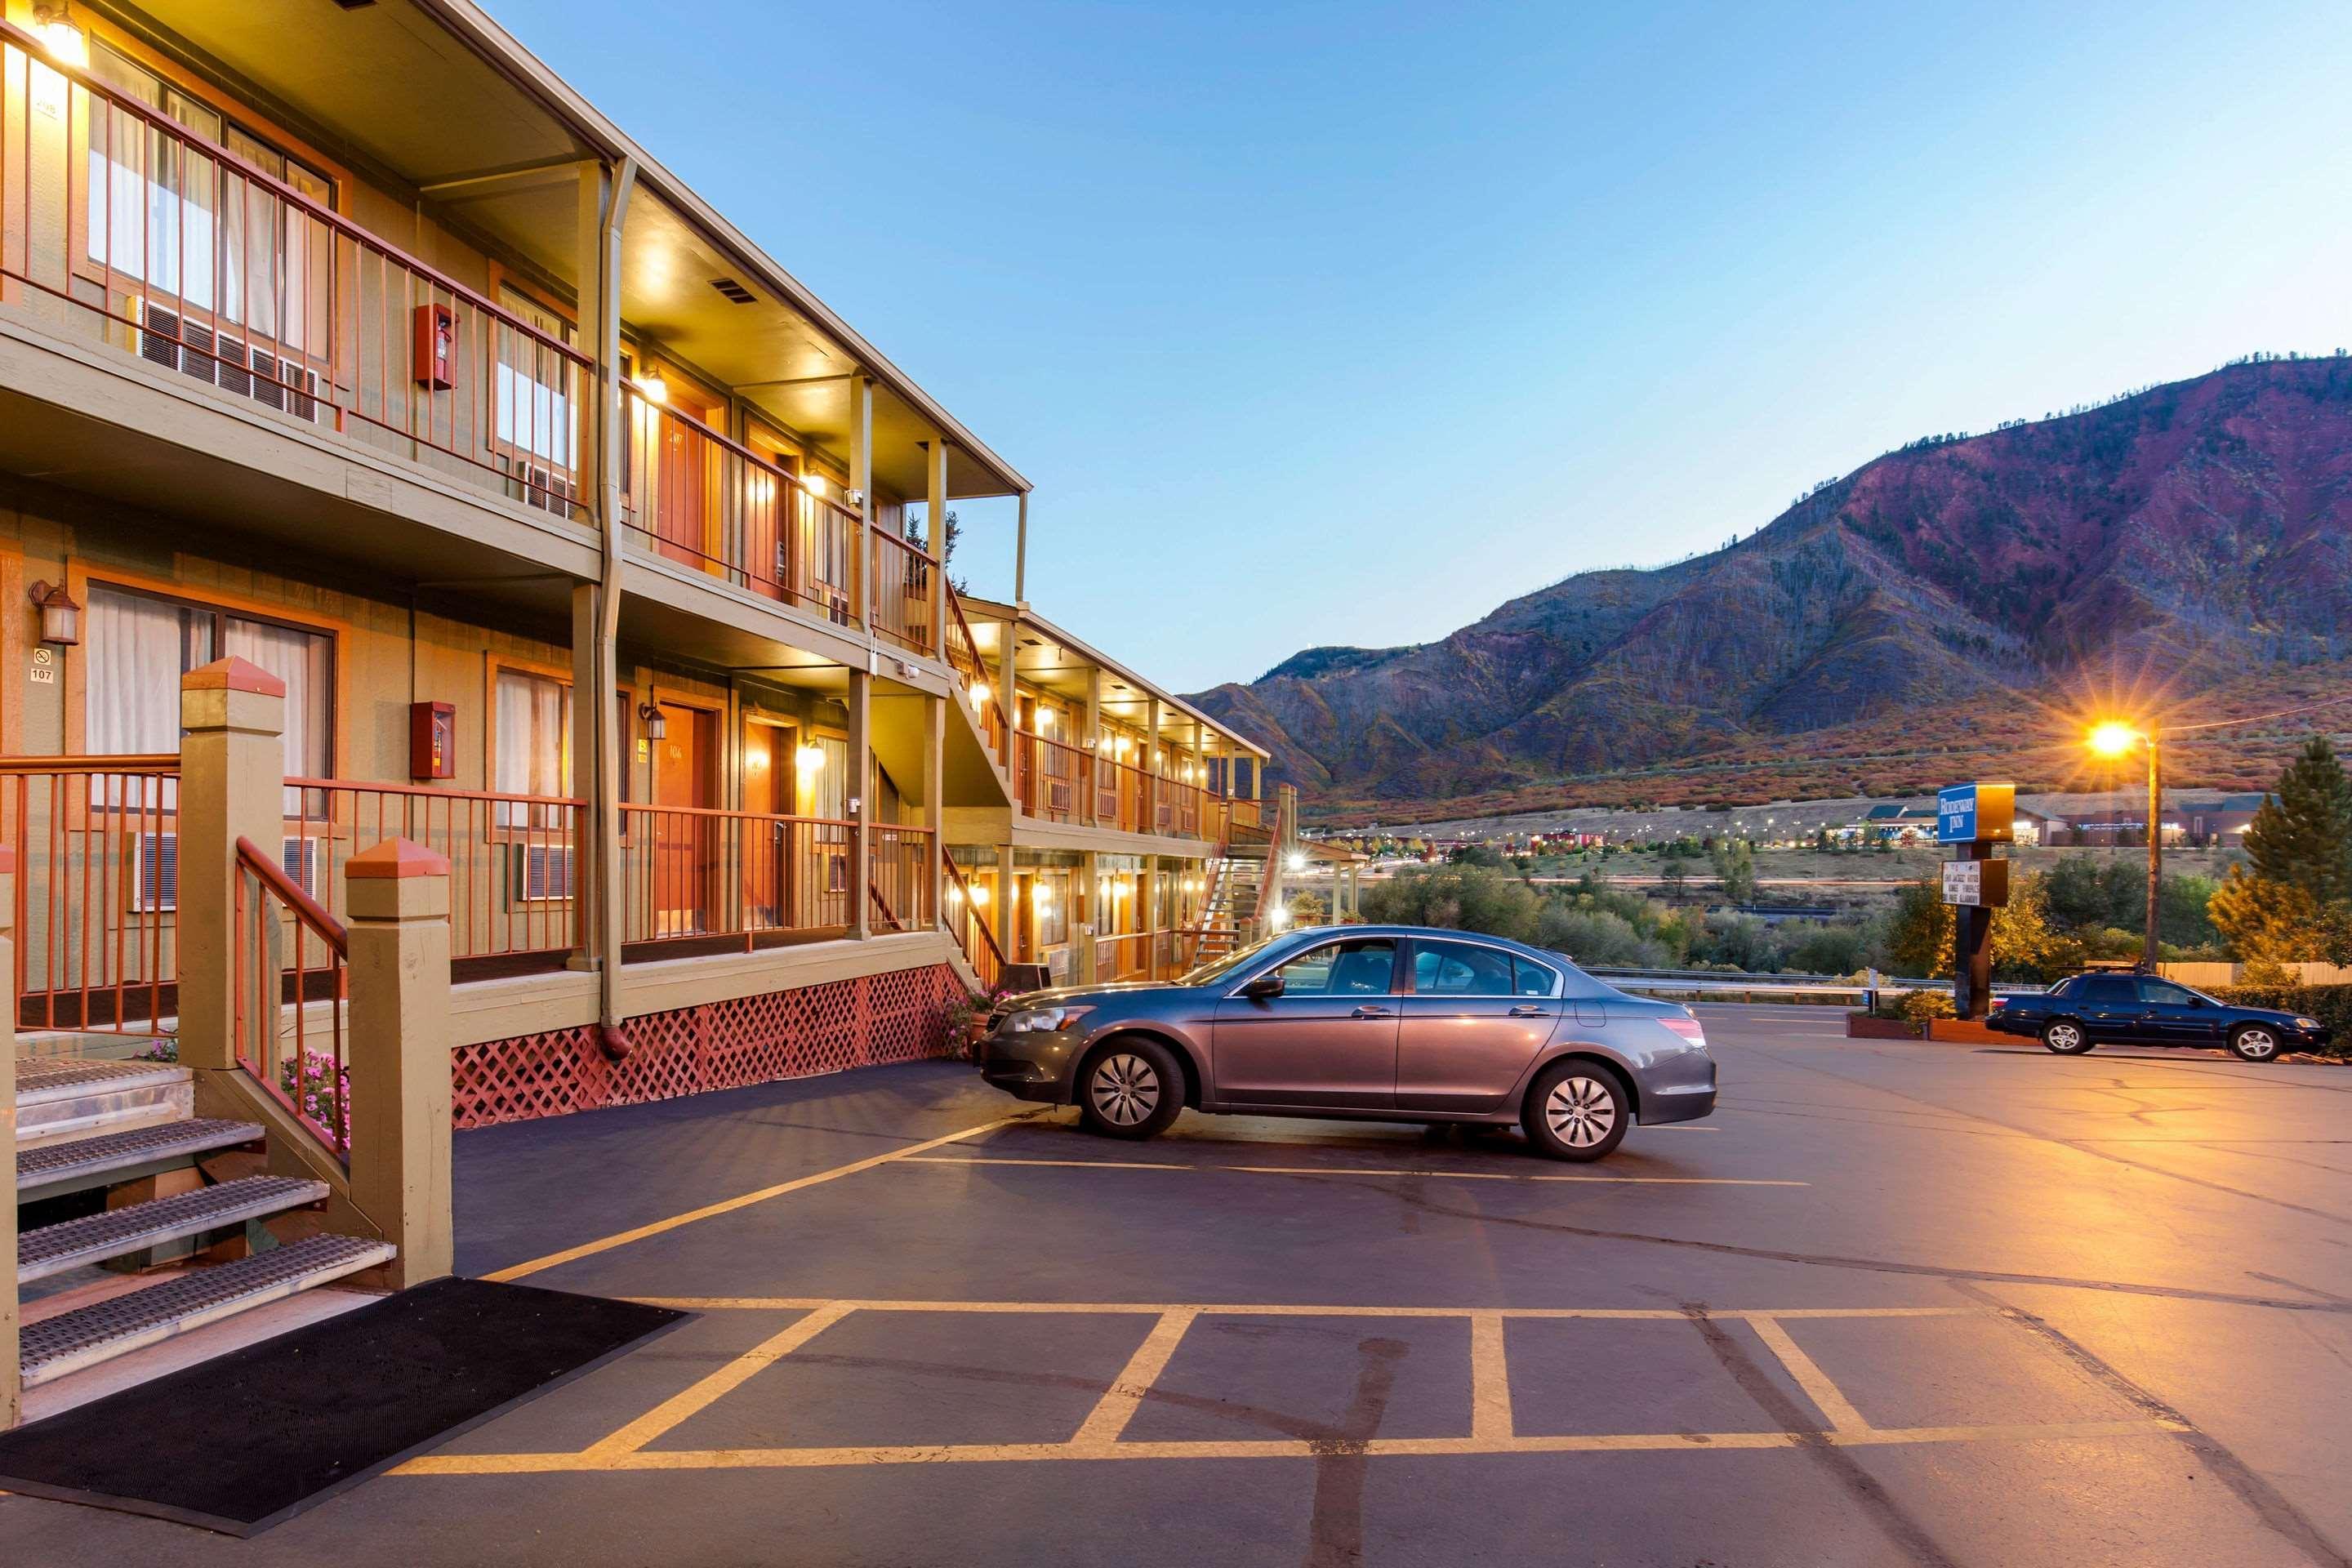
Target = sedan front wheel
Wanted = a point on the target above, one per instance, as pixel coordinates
(1130, 1088)
(2255, 1043)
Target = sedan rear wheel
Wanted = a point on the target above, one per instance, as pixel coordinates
(2254, 1043)
(1577, 1110)
(1130, 1088)
(2065, 1036)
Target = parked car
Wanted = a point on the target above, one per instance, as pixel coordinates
(1384, 1022)
(2086, 1010)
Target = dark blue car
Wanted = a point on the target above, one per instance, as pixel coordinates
(2086, 1010)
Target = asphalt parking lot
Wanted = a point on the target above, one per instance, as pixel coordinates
(1892, 1303)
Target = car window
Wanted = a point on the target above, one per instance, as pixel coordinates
(2105, 988)
(1362, 968)
(2164, 994)
(1459, 969)
(1535, 979)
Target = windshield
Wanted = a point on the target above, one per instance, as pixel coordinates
(1216, 969)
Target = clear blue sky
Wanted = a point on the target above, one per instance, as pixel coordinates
(1390, 313)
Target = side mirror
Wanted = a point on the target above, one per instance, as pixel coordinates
(1264, 988)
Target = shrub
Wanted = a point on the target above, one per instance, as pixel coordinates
(1921, 1006)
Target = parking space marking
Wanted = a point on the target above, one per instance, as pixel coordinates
(1101, 1434)
(1826, 1396)
(1354, 1171)
(1119, 1403)
(728, 1205)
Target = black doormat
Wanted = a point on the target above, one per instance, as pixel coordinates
(250, 1439)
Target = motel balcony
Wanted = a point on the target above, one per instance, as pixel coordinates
(370, 288)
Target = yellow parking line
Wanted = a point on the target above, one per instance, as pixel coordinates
(1283, 1448)
(709, 1211)
(1356, 1171)
(1842, 1416)
(1284, 1309)
(725, 1381)
(1118, 1403)
(1490, 1380)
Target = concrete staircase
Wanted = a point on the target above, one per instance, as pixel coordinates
(116, 1173)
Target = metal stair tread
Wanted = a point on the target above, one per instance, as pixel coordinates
(42, 1078)
(54, 1162)
(69, 1244)
(70, 1340)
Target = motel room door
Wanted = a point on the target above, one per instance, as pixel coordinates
(686, 861)
(688, 515)
(767, 785)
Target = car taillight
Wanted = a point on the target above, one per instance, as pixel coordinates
(1688, 1028)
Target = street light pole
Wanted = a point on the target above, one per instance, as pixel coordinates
(2155, 848)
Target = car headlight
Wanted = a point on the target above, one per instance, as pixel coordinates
(2306, 1023)
(1043, 1020)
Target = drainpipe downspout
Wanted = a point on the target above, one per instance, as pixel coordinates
(612, 741)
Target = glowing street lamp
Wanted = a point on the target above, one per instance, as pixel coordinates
(2113, 739)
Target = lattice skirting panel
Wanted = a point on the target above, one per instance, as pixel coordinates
(895, 1018)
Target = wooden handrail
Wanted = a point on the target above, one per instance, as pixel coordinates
(427, 792)
(272, 876)
(643, 809)
(955, 874)
(141, 762)
(729, 444)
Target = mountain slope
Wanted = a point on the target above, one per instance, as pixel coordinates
(2184, 535)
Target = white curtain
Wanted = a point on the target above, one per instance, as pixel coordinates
(534, 743)
(301, 660)
(137, 649)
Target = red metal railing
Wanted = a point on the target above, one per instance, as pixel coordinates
(963, 657)
(179, 251)
(515, 860)
(691, 495)
(1049, 778)
(900, 588)
(690, 873)
(1123, 957)
(97, 843)
(1121, 795)
(288, 953)
(971, 931)
(898, 873)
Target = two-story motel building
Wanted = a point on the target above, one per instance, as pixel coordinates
(348, 340)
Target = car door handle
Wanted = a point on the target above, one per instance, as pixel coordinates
(1526, 1012)
(1370, 1011)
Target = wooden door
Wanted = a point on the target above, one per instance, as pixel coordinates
(767, 757)
(685, 858)
(689, 516)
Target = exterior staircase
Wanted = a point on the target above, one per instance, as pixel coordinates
(115, 1172)
(1231, 906)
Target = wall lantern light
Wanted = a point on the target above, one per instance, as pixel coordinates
(809, 761)
(655, 722)
(980, 895)
(60, 616)
(652, 387)
(980, 694)
(60, 37)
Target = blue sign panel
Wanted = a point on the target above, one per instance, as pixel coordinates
(1955, 814)
(1972, 813)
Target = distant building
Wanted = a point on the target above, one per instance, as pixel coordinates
(1890, 822)
(2222, 821)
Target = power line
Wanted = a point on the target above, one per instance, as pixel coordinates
(2257, 718)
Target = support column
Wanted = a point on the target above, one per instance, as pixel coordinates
(1090, 874)
(12, 1381)
(1146, 914)
(1094, 735)
(860, 784)
(1151, 764)
(936, 474)
(934, 792)
(232, 787)
(1008, 906)
(1020, 555)
(861, 486)
(400, 1021)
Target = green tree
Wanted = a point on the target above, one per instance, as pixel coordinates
(1920, 934)
(2302, 836)
(1735, 865)
(1674, 873)
(1458, 898)
(2267, 921)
